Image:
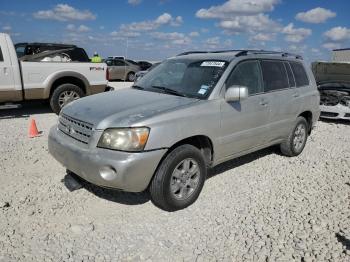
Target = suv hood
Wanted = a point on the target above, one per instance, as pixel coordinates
(123, 108)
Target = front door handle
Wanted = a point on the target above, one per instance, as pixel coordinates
(5, 71)
(296, 94)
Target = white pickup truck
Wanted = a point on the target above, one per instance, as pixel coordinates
(59, 82)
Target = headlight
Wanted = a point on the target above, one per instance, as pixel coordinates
(124, 139)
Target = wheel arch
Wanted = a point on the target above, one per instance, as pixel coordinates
(202, 142)
(66, 78)
(308, 117)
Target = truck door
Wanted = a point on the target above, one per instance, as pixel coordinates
(8, 90)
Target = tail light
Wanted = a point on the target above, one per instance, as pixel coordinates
(107, 74)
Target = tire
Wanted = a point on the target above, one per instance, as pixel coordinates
(130, 77)
(63, 95)
(296, 141)
(170, 176)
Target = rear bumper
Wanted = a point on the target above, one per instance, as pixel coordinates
(335, 112)
(95, 89)
(114, 169)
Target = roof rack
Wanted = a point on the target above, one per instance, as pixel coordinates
(264, 52)
(244, 53)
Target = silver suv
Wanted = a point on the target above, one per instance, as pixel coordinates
(192, 112)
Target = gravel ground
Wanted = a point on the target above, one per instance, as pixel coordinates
(261, 207)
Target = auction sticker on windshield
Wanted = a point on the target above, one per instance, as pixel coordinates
(213, 63)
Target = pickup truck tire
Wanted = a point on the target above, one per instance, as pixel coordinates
(63, 95)
(179, 179)
(131, 77)
(296, 140)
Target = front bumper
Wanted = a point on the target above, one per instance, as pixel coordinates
(335, 112)
(132, 171)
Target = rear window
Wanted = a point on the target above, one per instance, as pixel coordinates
(1, 57)
(78, 54)
(274, 75)
(300, 75)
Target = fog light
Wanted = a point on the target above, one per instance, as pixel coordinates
(108, 173)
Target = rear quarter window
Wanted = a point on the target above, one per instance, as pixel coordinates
(300, 75)
(274, 75)
(1, 57)
(291, 79)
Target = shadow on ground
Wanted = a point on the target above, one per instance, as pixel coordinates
(343, 240)
(26, 110)
(237, 162)
(73, 182)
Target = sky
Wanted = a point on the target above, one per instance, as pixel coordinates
(157, 29)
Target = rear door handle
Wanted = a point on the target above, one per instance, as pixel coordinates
(264, 103)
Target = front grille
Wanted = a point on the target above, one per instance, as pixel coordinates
(347, 115)
(79, 130)
(329, 114)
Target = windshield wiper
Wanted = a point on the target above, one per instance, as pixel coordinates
(169, 91)
(137, 87)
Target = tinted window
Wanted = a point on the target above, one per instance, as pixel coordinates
(20, 51)
(109, 62)
(132, 62)
(1, 57)
(300, 75)
(274, 75)
(290, 75)
(246, 74)
(119, 63)
(78, 54)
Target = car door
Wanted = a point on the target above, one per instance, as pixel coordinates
(8, 90)
(277, 85)
(245, 123)
(111, 69)
(120, 69)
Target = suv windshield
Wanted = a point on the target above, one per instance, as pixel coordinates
(185, 77)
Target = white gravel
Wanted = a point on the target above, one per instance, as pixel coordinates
(261, 207)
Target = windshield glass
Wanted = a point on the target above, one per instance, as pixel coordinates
(191, 78)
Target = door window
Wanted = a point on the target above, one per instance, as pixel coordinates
(1, 57)
(119, 63)
(274, 75)
(246, 74)
(300, 75)
(109, 62)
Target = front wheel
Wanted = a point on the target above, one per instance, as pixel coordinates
(63, 95)
(296, 140)
(179, 179)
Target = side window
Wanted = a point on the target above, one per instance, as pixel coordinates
(274, 75)
(1, 57)
(300, 75)
(119, 63)
(109, 62)
(291, 79)
(246, 74)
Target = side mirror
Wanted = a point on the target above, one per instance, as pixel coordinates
(236, 93)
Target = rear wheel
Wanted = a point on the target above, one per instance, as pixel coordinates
(63, 95)
(131, 77)
(179, 179)
(296, 140)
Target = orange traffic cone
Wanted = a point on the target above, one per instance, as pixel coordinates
(33, 130)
